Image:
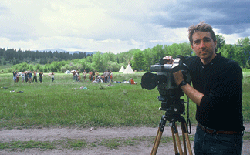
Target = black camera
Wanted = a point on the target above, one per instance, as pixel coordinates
(170, 93)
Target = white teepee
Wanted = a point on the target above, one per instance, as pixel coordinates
(122, 69)
(128, 69)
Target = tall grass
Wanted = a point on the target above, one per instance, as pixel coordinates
(246, 96)
(62, 103)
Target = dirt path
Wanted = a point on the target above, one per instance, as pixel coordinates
(52, 134)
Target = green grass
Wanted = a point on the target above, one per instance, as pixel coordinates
(246, 96)
(60, 104)
(14, 145)
(78, 144)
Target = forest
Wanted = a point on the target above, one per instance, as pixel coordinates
(140, 60)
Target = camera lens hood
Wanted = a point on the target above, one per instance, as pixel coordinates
(149, 81)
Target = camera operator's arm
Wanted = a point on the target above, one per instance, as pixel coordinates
(192, 93)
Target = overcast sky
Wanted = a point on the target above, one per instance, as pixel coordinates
(115, 25)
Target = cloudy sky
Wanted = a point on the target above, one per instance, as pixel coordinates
(115, 25)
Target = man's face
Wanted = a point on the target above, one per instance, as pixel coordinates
(204, 46)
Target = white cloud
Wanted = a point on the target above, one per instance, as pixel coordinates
(98, 25)
(229, 39)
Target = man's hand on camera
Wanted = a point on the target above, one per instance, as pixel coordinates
(192, 93)
(178, 77)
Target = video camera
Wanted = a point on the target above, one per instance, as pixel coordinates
(170, 93)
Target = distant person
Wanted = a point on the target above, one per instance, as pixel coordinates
(17, 77)
(23, 77)
(98, 79)
(14, 76)
(77, 76)
(35, 77)
(41, 77)
(96, 74)
(84, 74)
(93, 76)
(108, 75)
(103, 76)
(74, 75)
(30, 76)
(132, 81)
(52, 76)
(26, 76)
(111, 76)
(90, 76)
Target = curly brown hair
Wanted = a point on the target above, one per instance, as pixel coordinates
(201, 27)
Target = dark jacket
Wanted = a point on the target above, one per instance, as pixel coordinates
(221, 83)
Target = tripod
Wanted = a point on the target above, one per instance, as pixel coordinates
(173, 119)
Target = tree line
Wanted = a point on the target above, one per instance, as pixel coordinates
(14, 56)
(138, 59)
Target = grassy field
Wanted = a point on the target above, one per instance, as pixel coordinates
(62, 103)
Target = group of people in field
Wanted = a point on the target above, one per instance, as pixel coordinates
(94, 77)
(76, 76)
(29, 76)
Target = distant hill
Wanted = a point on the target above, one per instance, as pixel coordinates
(52, 50)
(61, 50)
(87, 53)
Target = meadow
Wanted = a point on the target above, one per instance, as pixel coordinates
(63, 104)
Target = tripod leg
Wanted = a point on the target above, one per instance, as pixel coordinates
(157, 135)
(178, 139)
(188, 144)
(184, 128)
(184, 139)
(187, 139)
(156, 142)
(175, 147)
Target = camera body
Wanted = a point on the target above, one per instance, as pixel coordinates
(170, 93)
